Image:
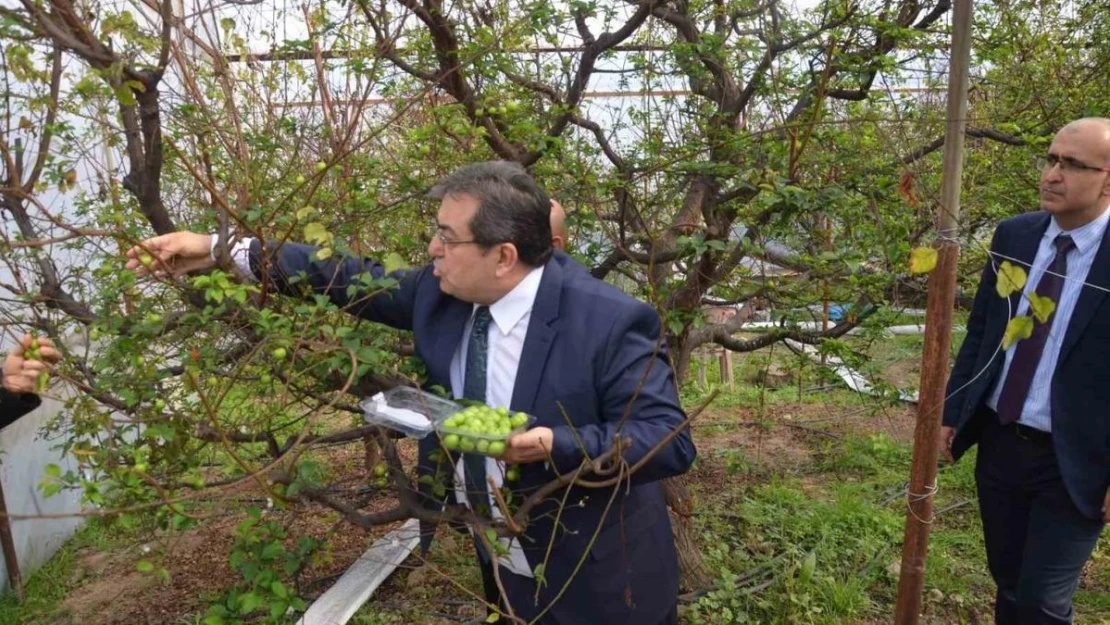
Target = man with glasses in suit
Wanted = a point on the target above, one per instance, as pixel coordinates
(500, 317)
(1039, 410)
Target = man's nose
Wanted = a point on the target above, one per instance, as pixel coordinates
(1054, 172)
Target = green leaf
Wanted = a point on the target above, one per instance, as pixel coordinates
(1018, 328)
(675, 326)
(1011, 279)
(144, 566)
(249, 602)
(923, 260)
(1042, 307)
(125, 95)
(317, 234)
(393, 261)
(278, 609)
(493, 617)
(53, 470)
(323, 253)
(809, 565)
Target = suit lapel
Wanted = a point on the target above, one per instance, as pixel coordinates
(450, 330)
(1098, 277)
(542, 330)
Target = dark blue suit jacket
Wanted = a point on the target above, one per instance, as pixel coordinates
(592, 355)
(14, 406)
(1080, 403)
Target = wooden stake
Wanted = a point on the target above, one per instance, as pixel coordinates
(938, 332)
(726, 367)
(11, 559)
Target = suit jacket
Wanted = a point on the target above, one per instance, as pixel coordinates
(592, 355)
(1079, 401)
(13, 406)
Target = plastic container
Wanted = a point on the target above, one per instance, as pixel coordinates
(408, 410)
(479, 442)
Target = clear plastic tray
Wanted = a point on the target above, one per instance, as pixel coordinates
(408, 410)
(479, 441)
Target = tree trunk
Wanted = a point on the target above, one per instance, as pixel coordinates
(681, 353)
(694, 576)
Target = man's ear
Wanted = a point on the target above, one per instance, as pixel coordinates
(507, 258)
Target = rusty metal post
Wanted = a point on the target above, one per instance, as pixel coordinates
(938, 332)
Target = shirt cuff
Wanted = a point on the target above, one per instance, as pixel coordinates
(240, 254)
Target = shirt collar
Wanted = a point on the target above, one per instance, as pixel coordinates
(511, 308)
(1087, 236)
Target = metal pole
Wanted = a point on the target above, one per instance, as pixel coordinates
(938, 332)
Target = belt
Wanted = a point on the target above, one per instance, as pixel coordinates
(1023, 431)
(1032, 433)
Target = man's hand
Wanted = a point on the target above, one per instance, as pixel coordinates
(531, 446)
(1106, 507)
(173, 254)
(947, 434)
(29, 360)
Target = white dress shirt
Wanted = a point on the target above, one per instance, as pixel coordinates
(1037, 410)
(506, 343)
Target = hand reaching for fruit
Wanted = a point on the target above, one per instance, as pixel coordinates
(27, 367)
(174, 254)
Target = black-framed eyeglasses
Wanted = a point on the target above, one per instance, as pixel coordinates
(1067, 164)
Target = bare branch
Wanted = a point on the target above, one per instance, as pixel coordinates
(982, 133)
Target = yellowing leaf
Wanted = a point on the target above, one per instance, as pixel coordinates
(1011, 279)
(317, 234)
(1042, 307)
(1018, 328)
(493, 617)
(923, 260)
(393, 261)
(323, 253)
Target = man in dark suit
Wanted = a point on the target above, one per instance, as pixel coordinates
(499, 317)
(1039, 410)
(19, 377)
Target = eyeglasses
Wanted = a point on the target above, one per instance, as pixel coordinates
(1067, 164)
(449, 242)
(444, 240)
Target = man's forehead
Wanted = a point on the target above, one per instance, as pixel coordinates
(1079, 144)
(455, 216)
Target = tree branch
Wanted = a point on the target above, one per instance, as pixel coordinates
(982, 133)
